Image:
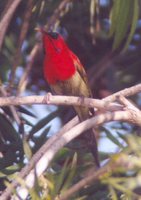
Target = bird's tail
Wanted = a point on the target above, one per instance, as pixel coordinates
(90, 138)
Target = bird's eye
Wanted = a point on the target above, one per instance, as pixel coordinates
(54, 35)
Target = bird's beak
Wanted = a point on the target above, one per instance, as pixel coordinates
(40, 29)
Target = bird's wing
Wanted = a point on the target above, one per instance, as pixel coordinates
(80, 70)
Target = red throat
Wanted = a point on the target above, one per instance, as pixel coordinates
(58, 63)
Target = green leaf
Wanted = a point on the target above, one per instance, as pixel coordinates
(60, 179)
(92, 14)
(71, 173)
(123, 15)
(133, 24)
(9, 158)
(114, 16)
(27, 121)
(7, 130)
(62, 154)
(39, 141)
(113, 193)
(35, 191)
(9, 171)
(25, 111)
(43, 122)
(112, 138)
(18, 108)
(122, 22)
(27, 149)
(9, 43)
(123, 137)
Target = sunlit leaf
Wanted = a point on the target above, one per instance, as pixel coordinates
(27, 149)
(35, 191)
(9, 43)
(61, 177)
(71, 174)
(113, 194)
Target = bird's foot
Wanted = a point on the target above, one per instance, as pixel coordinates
(47, 98)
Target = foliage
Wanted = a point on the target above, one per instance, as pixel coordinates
(106, 36)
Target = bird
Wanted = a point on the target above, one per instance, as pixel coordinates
(66, 76)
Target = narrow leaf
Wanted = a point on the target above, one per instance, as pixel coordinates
(27, 149)
(7, 130)
(39, 141)
(61, 177)
(43, 122)
(122, 22)
(133, 24)
(25, 111)
(114, 17)
(113, 193)
(71, 173)
(113, 138)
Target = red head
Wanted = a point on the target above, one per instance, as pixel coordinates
(58, 63)
(53, 43)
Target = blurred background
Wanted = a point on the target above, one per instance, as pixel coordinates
(107, 40)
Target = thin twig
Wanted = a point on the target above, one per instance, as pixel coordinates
(24, 79)
(6, 8)
(86, 181)
(126, 93)
(23, 32)
(12, 108)
(6, 20)
(57, 13)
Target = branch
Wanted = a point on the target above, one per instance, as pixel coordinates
(126, 93)
(82, 101)
(12, 108)
(85, 181)
(60, 100)
(57, 13)
(103, 104)
(123, 161)
(23, 33)
(44, 158)
(6, 19)
(24, 79)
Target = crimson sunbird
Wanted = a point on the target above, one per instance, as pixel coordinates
(66, 76)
